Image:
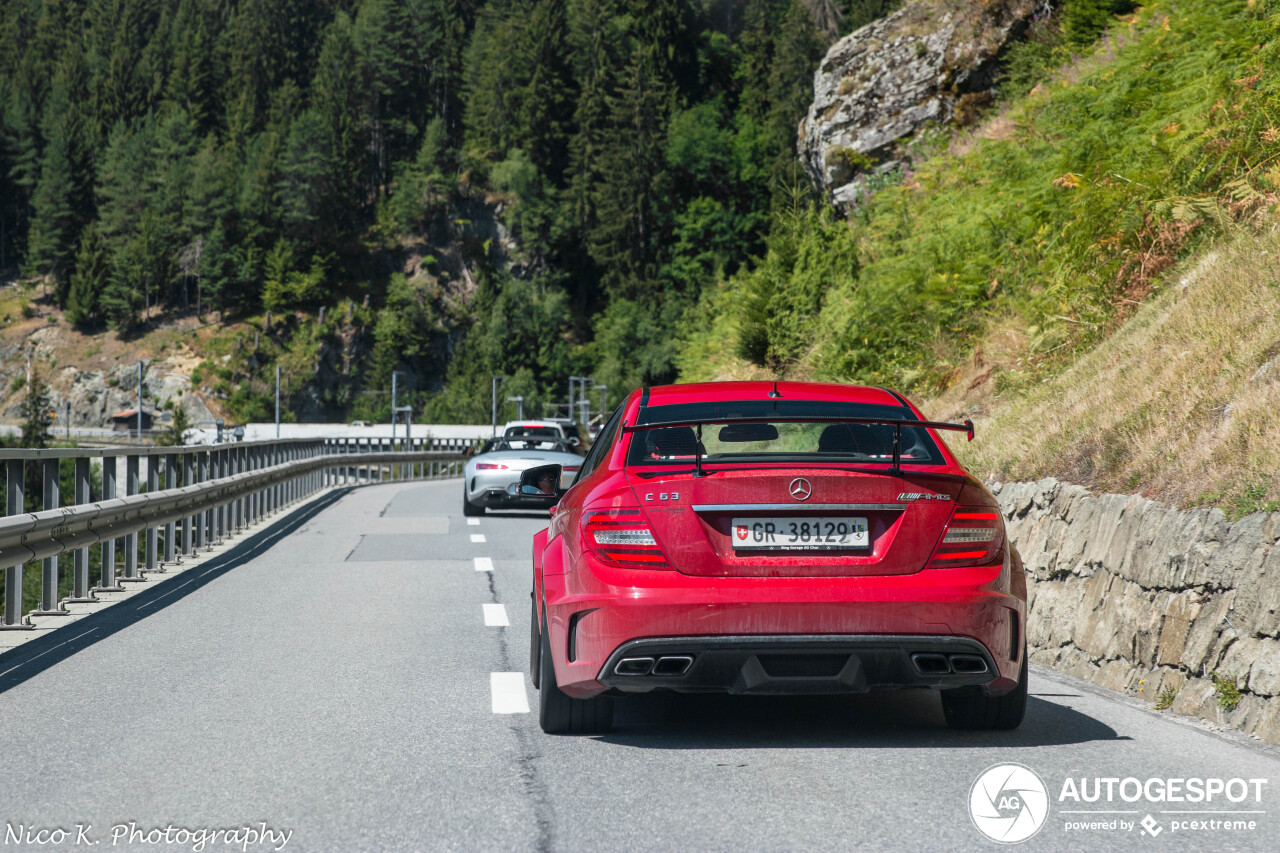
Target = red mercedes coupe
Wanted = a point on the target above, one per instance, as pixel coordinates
(775, 538)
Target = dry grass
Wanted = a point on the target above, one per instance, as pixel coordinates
(1181, 402)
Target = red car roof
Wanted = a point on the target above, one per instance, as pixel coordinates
(663, 395)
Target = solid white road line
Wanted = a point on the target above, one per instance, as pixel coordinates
(484, 564)
(495, 615)
(477, 537)
(473, 522)
(508, 693)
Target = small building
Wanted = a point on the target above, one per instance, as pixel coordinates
(126, 420)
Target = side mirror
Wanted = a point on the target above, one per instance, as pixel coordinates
(541, 481)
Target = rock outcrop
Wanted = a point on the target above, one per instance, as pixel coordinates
(1142, 598)
(931, 62)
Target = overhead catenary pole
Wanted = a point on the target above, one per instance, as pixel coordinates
(393, 408)
(494, 377)
(603, 398)
(139, 401)
(277, 401)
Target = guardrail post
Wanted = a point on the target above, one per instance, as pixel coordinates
(153, 533)
(107, 577)
(237, 506)
(246, 465)
(80, 568)
(273, 493)
(15, 470)
(49, 605)
(131, 539)
(170, 482)
(253, 496)
(219, 469)
(204, 520)
(187, 474)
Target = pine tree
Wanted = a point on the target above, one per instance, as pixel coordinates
(36, 411)
(755, 56)
(51, 238)
(631, 193)
(543, 106)
(88, 281)
(335, 136)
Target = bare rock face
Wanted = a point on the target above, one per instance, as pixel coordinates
(933, 61)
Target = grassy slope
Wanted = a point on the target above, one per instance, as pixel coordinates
(1017, 250)
(1180, 402)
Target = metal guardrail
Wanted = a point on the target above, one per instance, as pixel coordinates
(194, 498)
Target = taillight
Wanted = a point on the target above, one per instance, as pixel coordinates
(974, 537)
(621, 537)
(490, 466)
(571, 469)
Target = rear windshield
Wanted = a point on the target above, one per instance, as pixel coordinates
(532, 432)
(779, 437)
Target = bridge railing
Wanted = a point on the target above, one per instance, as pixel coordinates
(152, 505)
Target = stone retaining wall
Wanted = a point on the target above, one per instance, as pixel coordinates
(1138, 597)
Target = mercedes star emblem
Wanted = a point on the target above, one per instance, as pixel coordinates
(800, 489)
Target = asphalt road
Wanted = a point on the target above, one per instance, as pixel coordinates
(338, 683)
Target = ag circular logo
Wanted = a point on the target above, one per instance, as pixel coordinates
(1008, 803)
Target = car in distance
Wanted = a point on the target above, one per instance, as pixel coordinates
(491, 478)
(775, 538)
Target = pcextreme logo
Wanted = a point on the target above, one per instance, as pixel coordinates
(1009, 803)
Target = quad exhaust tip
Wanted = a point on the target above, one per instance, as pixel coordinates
(634, 666)
(933, 663)
(968, 665)
(668, 665)
(673, 665)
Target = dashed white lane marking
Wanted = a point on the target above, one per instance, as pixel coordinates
(495, 615)
(508, 693)
(484, 564)
(473, 522)
(477, 537)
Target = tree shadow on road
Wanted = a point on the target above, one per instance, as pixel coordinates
(30, 659)
(898, 719)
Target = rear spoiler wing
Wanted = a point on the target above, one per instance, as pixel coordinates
(897, 424)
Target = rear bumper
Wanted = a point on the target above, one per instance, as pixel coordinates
(792, 664)
(598, 615)
(495, 498)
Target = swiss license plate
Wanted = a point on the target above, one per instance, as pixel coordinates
(799, 534)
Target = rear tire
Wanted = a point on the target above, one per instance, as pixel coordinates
(468, 508)
(560, 714)
(969, 710)
(535, 645)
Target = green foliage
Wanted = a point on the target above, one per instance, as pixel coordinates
(88, 281)
(36, 411)
(556, 156)
(1165, 700)
(175, 434)
(1227, 690)
(1100, 181)
(1083, 20)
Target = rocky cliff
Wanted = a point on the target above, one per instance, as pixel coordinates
(931, 62)
(1142, 598)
